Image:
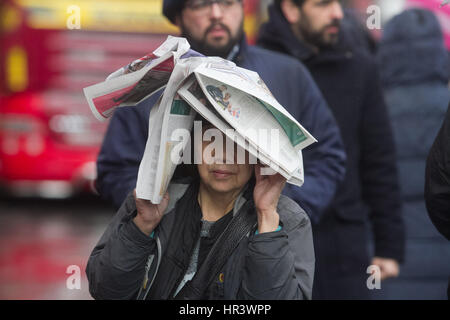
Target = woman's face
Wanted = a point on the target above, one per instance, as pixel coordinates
(219, 176)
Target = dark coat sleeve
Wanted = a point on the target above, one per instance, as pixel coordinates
(280, 265)
(324, 161)
(437, 180)
(116, 266)
(380, 186)
(122, 150)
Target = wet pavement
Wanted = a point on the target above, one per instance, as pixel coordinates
(44, 243)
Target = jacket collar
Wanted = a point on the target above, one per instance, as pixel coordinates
(239, 55)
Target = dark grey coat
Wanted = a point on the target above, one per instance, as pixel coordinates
(274, 265)
(369, 194)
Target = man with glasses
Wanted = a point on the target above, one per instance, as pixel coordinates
(215, 28)
(211, 27)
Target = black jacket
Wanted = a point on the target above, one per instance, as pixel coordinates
(273, 265)
(437, 180)
(290, 83)
(349, 81)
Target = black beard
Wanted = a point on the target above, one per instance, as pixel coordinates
(317, 38)
(208, 50)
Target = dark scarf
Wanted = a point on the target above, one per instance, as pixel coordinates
(182, 240)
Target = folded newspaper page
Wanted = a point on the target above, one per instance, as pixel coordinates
(253, 120)
(172, 113)
(130, 85)
(262, 145)
(234, 100)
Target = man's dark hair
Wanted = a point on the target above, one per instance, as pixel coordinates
(298, 3)
(171, 8)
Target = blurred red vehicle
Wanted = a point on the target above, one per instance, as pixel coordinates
(49, 140)
(49, 51)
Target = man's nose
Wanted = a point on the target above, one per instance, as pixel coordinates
(337, 11)
(216, 11)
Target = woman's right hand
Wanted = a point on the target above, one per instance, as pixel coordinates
(148, 214)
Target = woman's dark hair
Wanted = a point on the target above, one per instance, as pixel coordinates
(184, 170)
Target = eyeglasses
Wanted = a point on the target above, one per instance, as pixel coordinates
(200, 5)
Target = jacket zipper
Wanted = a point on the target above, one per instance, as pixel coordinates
(147, 270)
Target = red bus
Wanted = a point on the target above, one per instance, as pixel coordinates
(49, 51)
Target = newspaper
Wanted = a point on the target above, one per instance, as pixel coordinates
(250, 117)
(140, 79)
(171, 113)
(234, 100)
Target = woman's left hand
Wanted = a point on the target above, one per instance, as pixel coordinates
(266, 194)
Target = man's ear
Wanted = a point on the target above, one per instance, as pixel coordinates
(290, 11)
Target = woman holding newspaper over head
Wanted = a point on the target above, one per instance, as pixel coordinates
(223, 230)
